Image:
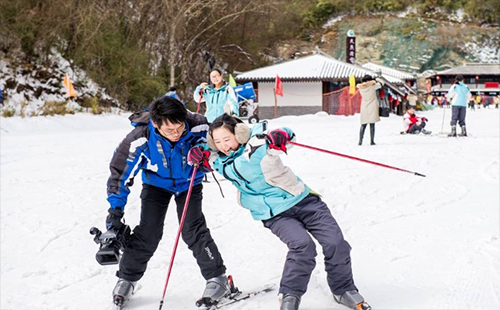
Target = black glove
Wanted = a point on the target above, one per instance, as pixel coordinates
(114, 219)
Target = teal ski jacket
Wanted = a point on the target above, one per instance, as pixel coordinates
(219, 101)
(265, 185)
(459, 95)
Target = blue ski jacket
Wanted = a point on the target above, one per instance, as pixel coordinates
(163, 163)
(265, 186)
(219, 101)
(459, 95)
(173, 94)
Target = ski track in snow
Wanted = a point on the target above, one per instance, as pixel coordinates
(417, 243)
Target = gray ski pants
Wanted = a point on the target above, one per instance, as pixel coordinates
(294, 227)
(458, 115)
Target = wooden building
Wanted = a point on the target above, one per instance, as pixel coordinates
(481, 78)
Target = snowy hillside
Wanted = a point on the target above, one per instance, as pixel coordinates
(418, 243)
(34, 88)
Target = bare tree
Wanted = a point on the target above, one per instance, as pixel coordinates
(178, 32)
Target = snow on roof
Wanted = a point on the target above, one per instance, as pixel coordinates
(473, 68)
(392, 79)
(313, 67)
(387, 77)
(387, 71)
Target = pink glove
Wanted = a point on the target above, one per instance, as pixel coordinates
(199, 157)
(277, 139)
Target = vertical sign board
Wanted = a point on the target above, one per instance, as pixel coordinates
(350, 53)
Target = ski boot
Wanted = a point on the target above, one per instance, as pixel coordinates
(216, 289)
(453, 132)
(290, 302)
(353, 300)
(426, 132)
(122, 292)
(464, 132)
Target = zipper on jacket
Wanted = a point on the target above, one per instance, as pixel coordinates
(184, 157)
(171, 173)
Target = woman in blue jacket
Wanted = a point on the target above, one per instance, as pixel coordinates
(219, 97)
(460, 95)
(276, 196)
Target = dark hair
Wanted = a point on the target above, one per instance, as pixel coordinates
(459, 78)
(225, 120)
(367, 78)
(218, 70)
(165, 109)
(172, 88)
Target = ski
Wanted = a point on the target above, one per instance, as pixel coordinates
(239, 296)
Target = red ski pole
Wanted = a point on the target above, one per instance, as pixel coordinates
(181, 224)
(355, 158)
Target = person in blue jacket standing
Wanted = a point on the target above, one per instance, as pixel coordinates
(172, 92)
(219, 97)
(273, 194)
(460, 95)
(159, 146)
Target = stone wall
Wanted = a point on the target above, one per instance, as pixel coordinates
(268, 112)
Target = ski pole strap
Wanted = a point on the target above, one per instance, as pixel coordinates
(220, 188)
(355, 158)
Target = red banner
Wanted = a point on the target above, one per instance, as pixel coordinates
(490, 84)
(278, 87)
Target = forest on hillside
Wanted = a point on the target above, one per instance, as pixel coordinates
(136, 49)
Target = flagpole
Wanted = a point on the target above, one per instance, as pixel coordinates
(277, 83)
(275, 105)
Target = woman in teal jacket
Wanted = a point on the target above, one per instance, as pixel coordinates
(460, 95)
(250, 159)
(220, 98)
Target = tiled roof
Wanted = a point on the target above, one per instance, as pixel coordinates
(472, 69)
(311, 68)
(387, 71)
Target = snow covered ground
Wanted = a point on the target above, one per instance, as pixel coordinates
(418, 243)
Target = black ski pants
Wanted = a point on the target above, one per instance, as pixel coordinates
(416, 127)
(295, 226)
(148, 233)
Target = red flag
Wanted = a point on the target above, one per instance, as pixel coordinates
(278, 87)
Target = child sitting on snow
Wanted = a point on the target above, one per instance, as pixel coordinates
(414, 124)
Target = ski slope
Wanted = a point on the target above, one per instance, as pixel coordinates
(418, 243)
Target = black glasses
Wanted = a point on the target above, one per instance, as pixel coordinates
(174, 132)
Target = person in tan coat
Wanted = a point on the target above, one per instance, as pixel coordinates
(369, 105)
